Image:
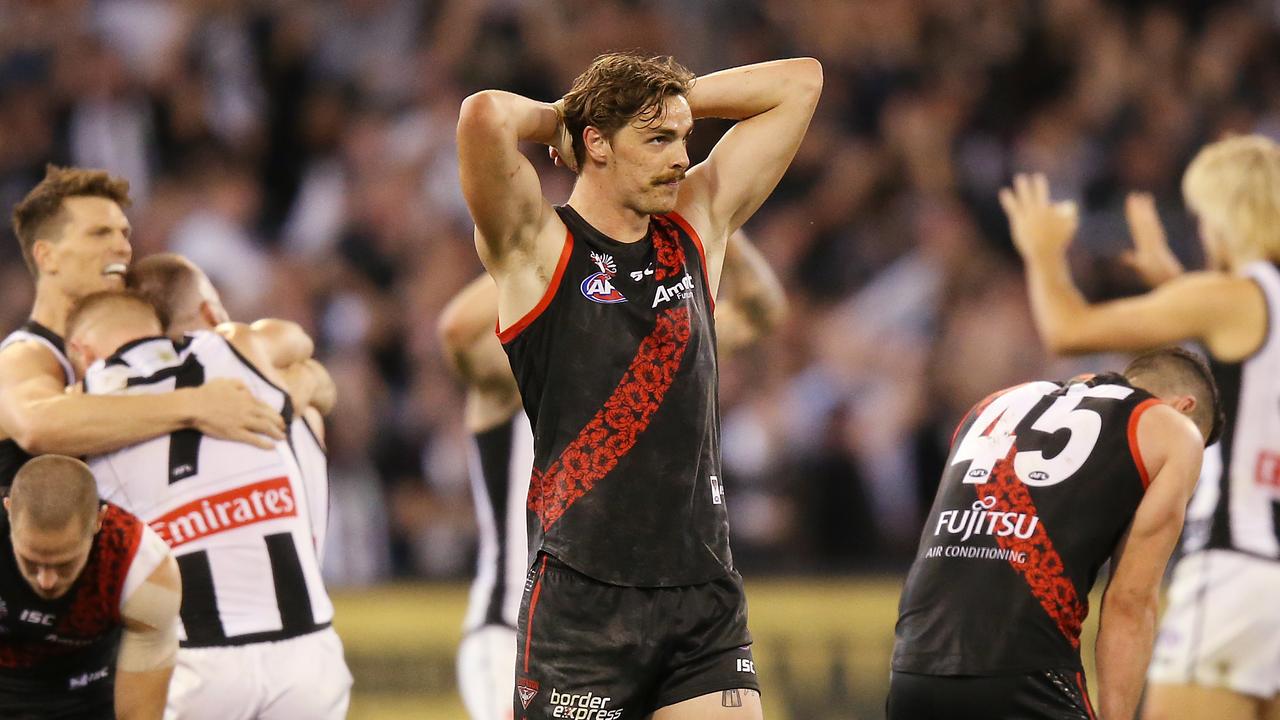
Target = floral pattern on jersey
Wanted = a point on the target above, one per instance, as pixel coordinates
(615, 428)
(93, 607)
(667, 248)
(1043, 571)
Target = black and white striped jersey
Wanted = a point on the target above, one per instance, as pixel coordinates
(500, 460)
(314, 463)
(12, 456)
(237, 517)
(1237, 503)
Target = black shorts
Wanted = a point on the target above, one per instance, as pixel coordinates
(22, 699)
(589, 650)
(1045, 695)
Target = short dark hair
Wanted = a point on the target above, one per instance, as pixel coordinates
(88, 305)
(31, 216)
(618, 88)
(50, 491)
(168, 281)
(1176, 370)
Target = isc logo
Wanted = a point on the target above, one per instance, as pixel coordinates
(746, 666)
(35, 617)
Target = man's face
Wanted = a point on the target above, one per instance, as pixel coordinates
(50, 561)
(650, 160)
(93, 249)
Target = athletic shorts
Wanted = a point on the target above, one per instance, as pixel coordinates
(1044, 695)
(302, 677)
(588, 650)
(1222, 626)
(88, 696)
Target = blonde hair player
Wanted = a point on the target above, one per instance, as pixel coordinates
(1218, 652)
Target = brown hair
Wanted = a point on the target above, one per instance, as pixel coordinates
(1175, 370)
(31, 216)
(50, 491)
(168, 281)
(113, 299)
(618, 88)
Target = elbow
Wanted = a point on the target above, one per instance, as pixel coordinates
(481, 113)
(34, 436)
(1059, 342)
(808, 78)
(453, 330)
(1132, 607)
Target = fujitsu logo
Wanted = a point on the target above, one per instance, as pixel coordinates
(244, 505)
(981, 520)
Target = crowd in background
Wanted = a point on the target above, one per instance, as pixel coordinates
(302, 152)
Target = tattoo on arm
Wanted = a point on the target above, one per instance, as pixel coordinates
(731, 698)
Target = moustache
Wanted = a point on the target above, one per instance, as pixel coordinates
(673, 177)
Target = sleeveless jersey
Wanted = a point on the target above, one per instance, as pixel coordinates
(237, 517)
(1042, 481)
(500, 460)
(617, 370)
(68, 643)
(12, 456)
(314, 464)
(1237, 502)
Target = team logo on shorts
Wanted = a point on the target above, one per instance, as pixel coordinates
(527, 689)
(598, 287)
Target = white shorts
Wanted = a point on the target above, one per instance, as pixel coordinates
(1222, 627)
(304, 677)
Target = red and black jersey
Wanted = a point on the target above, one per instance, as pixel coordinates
(56, 643)
(617, 369)
(1042, 482)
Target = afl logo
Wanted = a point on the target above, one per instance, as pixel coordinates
(1038, 475)
(598, 287)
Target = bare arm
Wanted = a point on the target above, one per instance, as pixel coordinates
(1172, 449)
(753, 302)
(149, 645)
(1226, 312)
(467, 333)
(499, 183)
(37, 413)
(773, 103)
(1150, 257)
(284, 341)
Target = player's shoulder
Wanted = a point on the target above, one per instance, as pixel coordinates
(1169, 425)
(25, 357)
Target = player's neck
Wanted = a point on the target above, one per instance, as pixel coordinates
(50, 308)
(604, 212)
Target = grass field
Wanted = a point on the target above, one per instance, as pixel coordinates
(822, 647)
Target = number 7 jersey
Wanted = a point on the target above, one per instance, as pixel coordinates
(236, 516)
(1042, 481)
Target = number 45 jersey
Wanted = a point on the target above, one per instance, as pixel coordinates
(235, 515)
(1042, 481)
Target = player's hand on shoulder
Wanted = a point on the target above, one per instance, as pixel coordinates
(224, 408)
(1038, 225)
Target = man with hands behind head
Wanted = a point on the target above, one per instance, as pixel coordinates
(605, 309)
